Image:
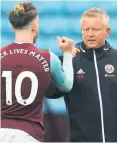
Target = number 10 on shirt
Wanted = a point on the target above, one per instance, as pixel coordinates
(19, 79)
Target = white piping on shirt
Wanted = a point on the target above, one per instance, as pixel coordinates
(100, 96)
(82, 49)
(20, 42)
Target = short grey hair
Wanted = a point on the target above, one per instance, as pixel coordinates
(97, 12)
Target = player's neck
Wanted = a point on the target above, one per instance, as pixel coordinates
(23, 37)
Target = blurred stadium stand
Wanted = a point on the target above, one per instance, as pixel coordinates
(58, 18)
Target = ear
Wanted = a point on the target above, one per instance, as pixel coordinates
(33, 27)
(107, 32)
(13, 28)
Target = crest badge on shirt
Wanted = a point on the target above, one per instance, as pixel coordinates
(109, 68)
(81, 74)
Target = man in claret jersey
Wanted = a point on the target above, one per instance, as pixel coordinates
(25, 77)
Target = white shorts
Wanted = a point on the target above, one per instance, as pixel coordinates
(8, 135)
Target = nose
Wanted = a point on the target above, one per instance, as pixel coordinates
(90, 33)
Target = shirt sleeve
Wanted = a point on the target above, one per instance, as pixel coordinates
(62, 75)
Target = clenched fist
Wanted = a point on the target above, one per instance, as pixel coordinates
(65, 44)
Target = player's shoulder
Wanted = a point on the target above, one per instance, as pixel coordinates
(41, 51)
(6, 47)
(113, 51)
(114, 54)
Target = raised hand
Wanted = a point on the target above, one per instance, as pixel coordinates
(65, 44)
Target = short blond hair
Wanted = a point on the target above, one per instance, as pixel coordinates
(97, 12)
